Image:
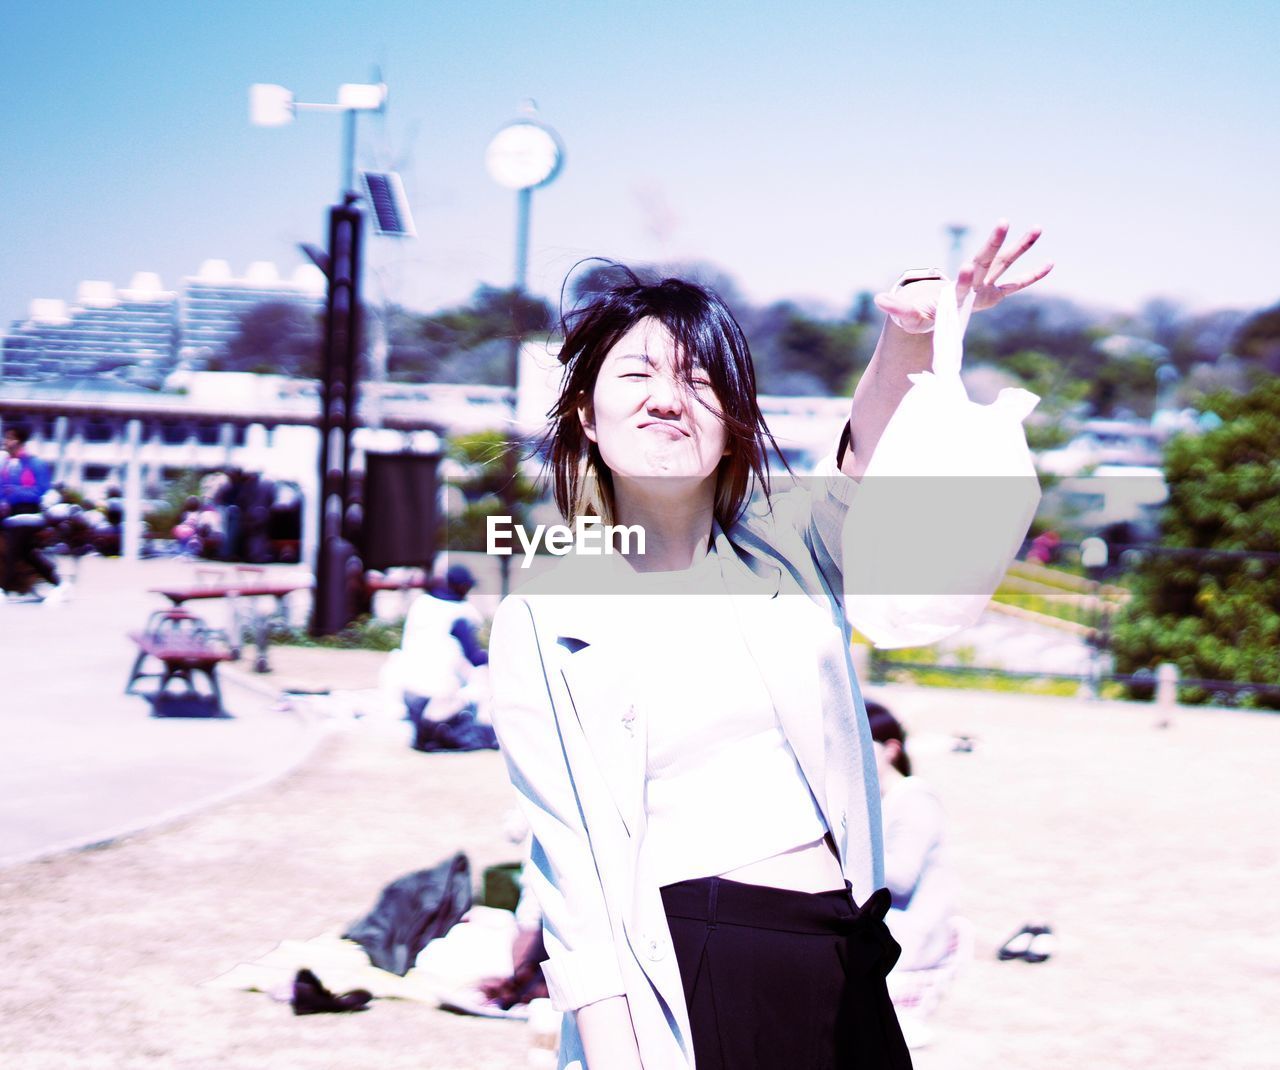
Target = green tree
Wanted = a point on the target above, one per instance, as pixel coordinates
(1059, 393)
(467, 344)
(1216, 616)
(275, 337)
(796, 352)
(481, 461)
(1259, 339)
(162, 519)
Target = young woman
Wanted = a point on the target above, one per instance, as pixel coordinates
(697, 768)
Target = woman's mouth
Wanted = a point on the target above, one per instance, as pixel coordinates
(672, 431)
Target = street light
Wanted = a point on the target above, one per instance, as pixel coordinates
(339, 516)
(524, 155)
(274, 105)
(1095, 555)
(957, 232)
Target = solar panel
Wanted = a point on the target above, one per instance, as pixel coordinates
(391, 216)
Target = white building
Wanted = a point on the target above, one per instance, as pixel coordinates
(139, 334)
(94, 436)
(129, 335)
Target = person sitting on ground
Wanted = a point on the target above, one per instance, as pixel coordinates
(511, 995)
(438, 653)
(915, 867)
(935, 942)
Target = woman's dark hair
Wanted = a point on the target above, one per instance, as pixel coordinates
(706, 337)
(884, 727)
(19, 431)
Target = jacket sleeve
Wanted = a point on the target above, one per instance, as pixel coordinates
(582, 965)
(815, 510)
(930, 552)
(464, 631)
(31, 482)
(830, 494)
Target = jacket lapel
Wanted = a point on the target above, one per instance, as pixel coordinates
(613, 727)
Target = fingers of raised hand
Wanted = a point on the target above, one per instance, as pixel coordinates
(1007, 288)
(983, 273)
(1002, 262)
(983, 261)
(894, 305)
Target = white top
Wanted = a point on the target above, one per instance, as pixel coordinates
(916, 873)
(433, 663)
(722, 785)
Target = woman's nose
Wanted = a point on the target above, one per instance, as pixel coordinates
(665, 394)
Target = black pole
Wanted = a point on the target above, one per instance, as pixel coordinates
(337, 566)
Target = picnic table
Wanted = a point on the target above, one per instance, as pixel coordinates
(242, 590)
(406, 583)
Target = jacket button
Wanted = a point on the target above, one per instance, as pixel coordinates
(655, 950)
(844, 822)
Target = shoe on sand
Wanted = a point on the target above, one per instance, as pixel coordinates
(1031, 943)
(1042, 944)
(311, 997)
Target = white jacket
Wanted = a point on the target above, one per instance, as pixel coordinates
(574, 742)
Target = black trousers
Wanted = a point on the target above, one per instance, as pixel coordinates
(779, 979)
(21, 549)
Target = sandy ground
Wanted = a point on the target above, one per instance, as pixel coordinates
(1154, 855)
(1152, 852)
(105, 948)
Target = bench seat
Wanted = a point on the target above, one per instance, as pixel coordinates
(183, 644)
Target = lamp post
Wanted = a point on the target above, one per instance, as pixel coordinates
(957, 233)
(524, 155)
(1095, 556)
(336, 565)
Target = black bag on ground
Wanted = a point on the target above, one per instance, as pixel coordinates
(411, 912)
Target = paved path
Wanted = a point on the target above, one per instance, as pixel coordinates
(82, 762)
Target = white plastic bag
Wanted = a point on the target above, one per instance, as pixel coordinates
(944, 505)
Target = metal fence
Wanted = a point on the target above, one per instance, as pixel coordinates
(1139, 686)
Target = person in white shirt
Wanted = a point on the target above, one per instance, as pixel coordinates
(683, 726)
(438, 653)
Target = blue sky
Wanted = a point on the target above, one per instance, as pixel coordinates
(811, 150)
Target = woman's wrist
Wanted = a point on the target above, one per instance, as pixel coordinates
(919, 275)
(932, 277)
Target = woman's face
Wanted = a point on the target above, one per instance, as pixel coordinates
(643, 418)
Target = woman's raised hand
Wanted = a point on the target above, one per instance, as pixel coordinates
(912, 307)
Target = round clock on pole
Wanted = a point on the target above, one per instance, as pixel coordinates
(523, 156)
